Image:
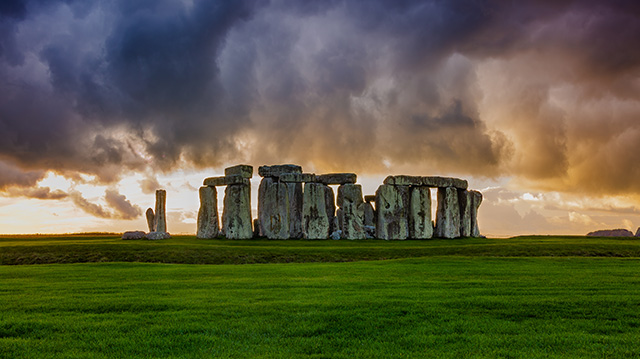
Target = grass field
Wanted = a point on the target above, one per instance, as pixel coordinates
(522, 297)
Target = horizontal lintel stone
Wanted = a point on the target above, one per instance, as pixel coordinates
(298, 177)
(245, 171)
(225, 180)
(278, 170)
(337, 178)
(427, 181)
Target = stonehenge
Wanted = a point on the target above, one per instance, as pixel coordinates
(293, 204)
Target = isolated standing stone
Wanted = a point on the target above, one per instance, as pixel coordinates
(236, 215)
(420, 225)
(465, 200)
(295, 209)
(315, 219)
(208, 225)
(273, 209)
(160, 215)
(448, 213)
(392, 206)
(476, 200)
(352, 211)
(151, 221)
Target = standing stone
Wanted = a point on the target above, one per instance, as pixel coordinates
(295, 209)
(151, 221)
(420, 225)
(476, 200)
(369, 215)
(160, 215)
(208, 225)
(392, 210)
(330, 202)
(315, 219)
(273, 209)
(236, 215)
(448, 213)
(352, 205)
(465, 199)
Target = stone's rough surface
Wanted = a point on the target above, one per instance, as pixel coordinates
(225, 181)
(351, 211)
(294, 191)
(160, 215)
(448, 213)
(392, 204)
(315, 219)
(157, 235)
(611, 233)
(476, 200)
(298, 177)
(335, 235)
(208, 224)
(370, 232)
(277, 170)
(256, 228)
(330, 202)
(151, 220)
(236, 216)
(244, 171)
(370, 198)
(337, 178)
(420, 225)
(273, 209)
(369, 215)
(133, 235)
(465, 200)
(427, 181)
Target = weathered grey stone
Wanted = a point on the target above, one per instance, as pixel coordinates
(236, 215)
(298, 177)
(151, 220)
(256, 228)
(225, 181)
(338, 221)
(611, 233)
(448, 213)
(277, 170)
(428, 181)
(337, 178)
(330, 202)
(336, 235)
(370, 198)
(244, 171)
(392, 211)
(420, 225)
(208, 224)
(476, 200)
(315, 219)
(369, 214)
(352, 211)
(370, 232)
(157, 235)
(273, 209)
(465, 200)
(295, 209)
(133, 235)
(160, 214)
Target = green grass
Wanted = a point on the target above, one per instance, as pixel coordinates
(525, 297)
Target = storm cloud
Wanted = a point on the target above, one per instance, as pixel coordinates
(545, 92)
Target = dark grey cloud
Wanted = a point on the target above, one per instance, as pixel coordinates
(118, 207)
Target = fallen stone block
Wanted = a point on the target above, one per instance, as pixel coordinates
(133, 235)
(448, 213)
(420, 225)
(244, 171)
(151, 220)
(427, 181)
(208, 224)
(336, 235)
(160, 219)
(157, 235)
(297, 177)
(225, 181)
(351, 211)
(392, 205)
(236, 215)
(337, 178)
(277, 170)
(315, 219)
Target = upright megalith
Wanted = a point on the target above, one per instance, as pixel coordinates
(476, 200)
(330, 203)
(315, 219)
(160, 219)
(294, 192)
(208, 224)
(448, 213)
(236, 215)
(420, 225)
(151, 220)
(273, 209)
(351, 206)
(465, 199)
(392, 205)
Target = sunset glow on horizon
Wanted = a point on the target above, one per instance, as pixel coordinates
(535, 103)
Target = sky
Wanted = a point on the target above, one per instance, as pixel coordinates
(535, 103)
